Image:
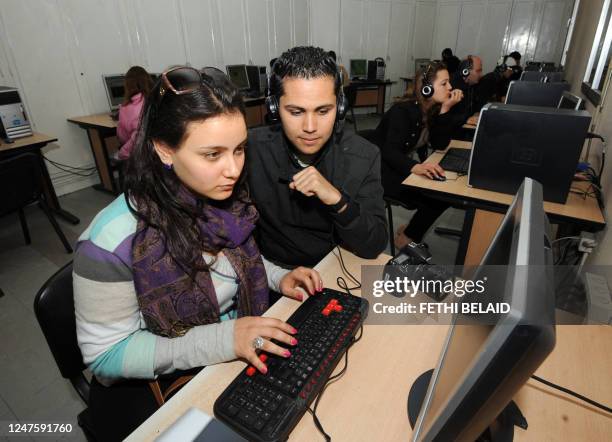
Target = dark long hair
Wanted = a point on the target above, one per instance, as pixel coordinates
(137, 80)
(151, 191)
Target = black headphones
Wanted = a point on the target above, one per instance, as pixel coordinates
(272, 99)
(427, 89)
(466, 66)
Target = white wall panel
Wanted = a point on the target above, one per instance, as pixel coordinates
(469, 28)
(258, 28)
(324, 22)
(377, 29)
(552, 31)
(494, 27)
(202, 32)
(233, 32)
(425, 15)
(446, 29)
(101, 45)
(37, 45)
(160, 28)
(300, 21)
(353, 34)
(282, 25)
(521, 23)
(400, 46)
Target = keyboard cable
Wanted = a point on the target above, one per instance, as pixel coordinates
(332, 379)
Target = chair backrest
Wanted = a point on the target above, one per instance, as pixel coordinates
(20, 181)
(350, 92)
(54, 308)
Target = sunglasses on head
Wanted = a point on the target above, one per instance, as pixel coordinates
(185, 79)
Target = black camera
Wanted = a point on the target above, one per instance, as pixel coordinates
(413, 263)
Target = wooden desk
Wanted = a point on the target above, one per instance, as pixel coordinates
(371, 93)
(102, 133)
(369, 402)
(34, 143)
(485, 209)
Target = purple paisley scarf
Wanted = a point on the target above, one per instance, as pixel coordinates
(171, 301)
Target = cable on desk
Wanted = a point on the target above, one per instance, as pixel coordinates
(331, 380)
(340, 280)
(571, 393)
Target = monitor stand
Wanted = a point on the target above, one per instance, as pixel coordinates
(501, 430)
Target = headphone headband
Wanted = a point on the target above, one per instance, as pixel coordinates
(427, 89)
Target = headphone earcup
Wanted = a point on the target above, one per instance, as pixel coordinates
(341, 107)
(272, 108)
(465, 72)
(427, 91)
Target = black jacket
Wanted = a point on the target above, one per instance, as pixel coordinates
(396, 136)
(474, 96)
(452, 64)
(294, 229)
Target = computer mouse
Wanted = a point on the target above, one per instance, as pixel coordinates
(439, 178)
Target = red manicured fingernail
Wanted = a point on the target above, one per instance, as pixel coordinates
(293, 341)
(286, 353)
(300, 297)
(264, 370)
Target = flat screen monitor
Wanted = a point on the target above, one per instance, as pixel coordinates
(542, 77)
(513, 142)
(115, 92)
(239, 76)
(569, 101)
(114, 84)
(482, 366)
(531, 93)
(359, 68)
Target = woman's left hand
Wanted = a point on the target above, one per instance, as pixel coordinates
(303, 277)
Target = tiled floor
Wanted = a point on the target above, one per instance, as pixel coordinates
(31, 388)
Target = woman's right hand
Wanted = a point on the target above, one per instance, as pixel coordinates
(430, 170)
(248, 328)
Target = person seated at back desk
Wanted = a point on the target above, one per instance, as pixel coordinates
(169, 277)
(477, 90)
(137, 85)
(409, 125)
(315, 185)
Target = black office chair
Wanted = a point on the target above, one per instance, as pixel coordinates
(350, 92)
(20, 181)
(54, 309)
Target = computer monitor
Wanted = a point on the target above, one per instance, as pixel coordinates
(542, 77)
(482, 366)
(238, 75)
(569, 101)
(513, 142)
(530, 93)
(115, 92)
(359, 69)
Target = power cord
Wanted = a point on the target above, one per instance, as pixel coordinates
(572, 393)
(332, 379)
(72, 169)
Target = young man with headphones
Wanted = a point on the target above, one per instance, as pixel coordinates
(315, 186)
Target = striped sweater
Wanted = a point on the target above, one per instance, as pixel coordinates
(111, 332)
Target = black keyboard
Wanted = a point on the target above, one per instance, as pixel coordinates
(267, 407)
(456, 160)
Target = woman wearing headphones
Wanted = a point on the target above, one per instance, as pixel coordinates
(168, 277)
(414, 123)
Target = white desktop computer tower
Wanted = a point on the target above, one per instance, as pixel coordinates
(13, 118)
